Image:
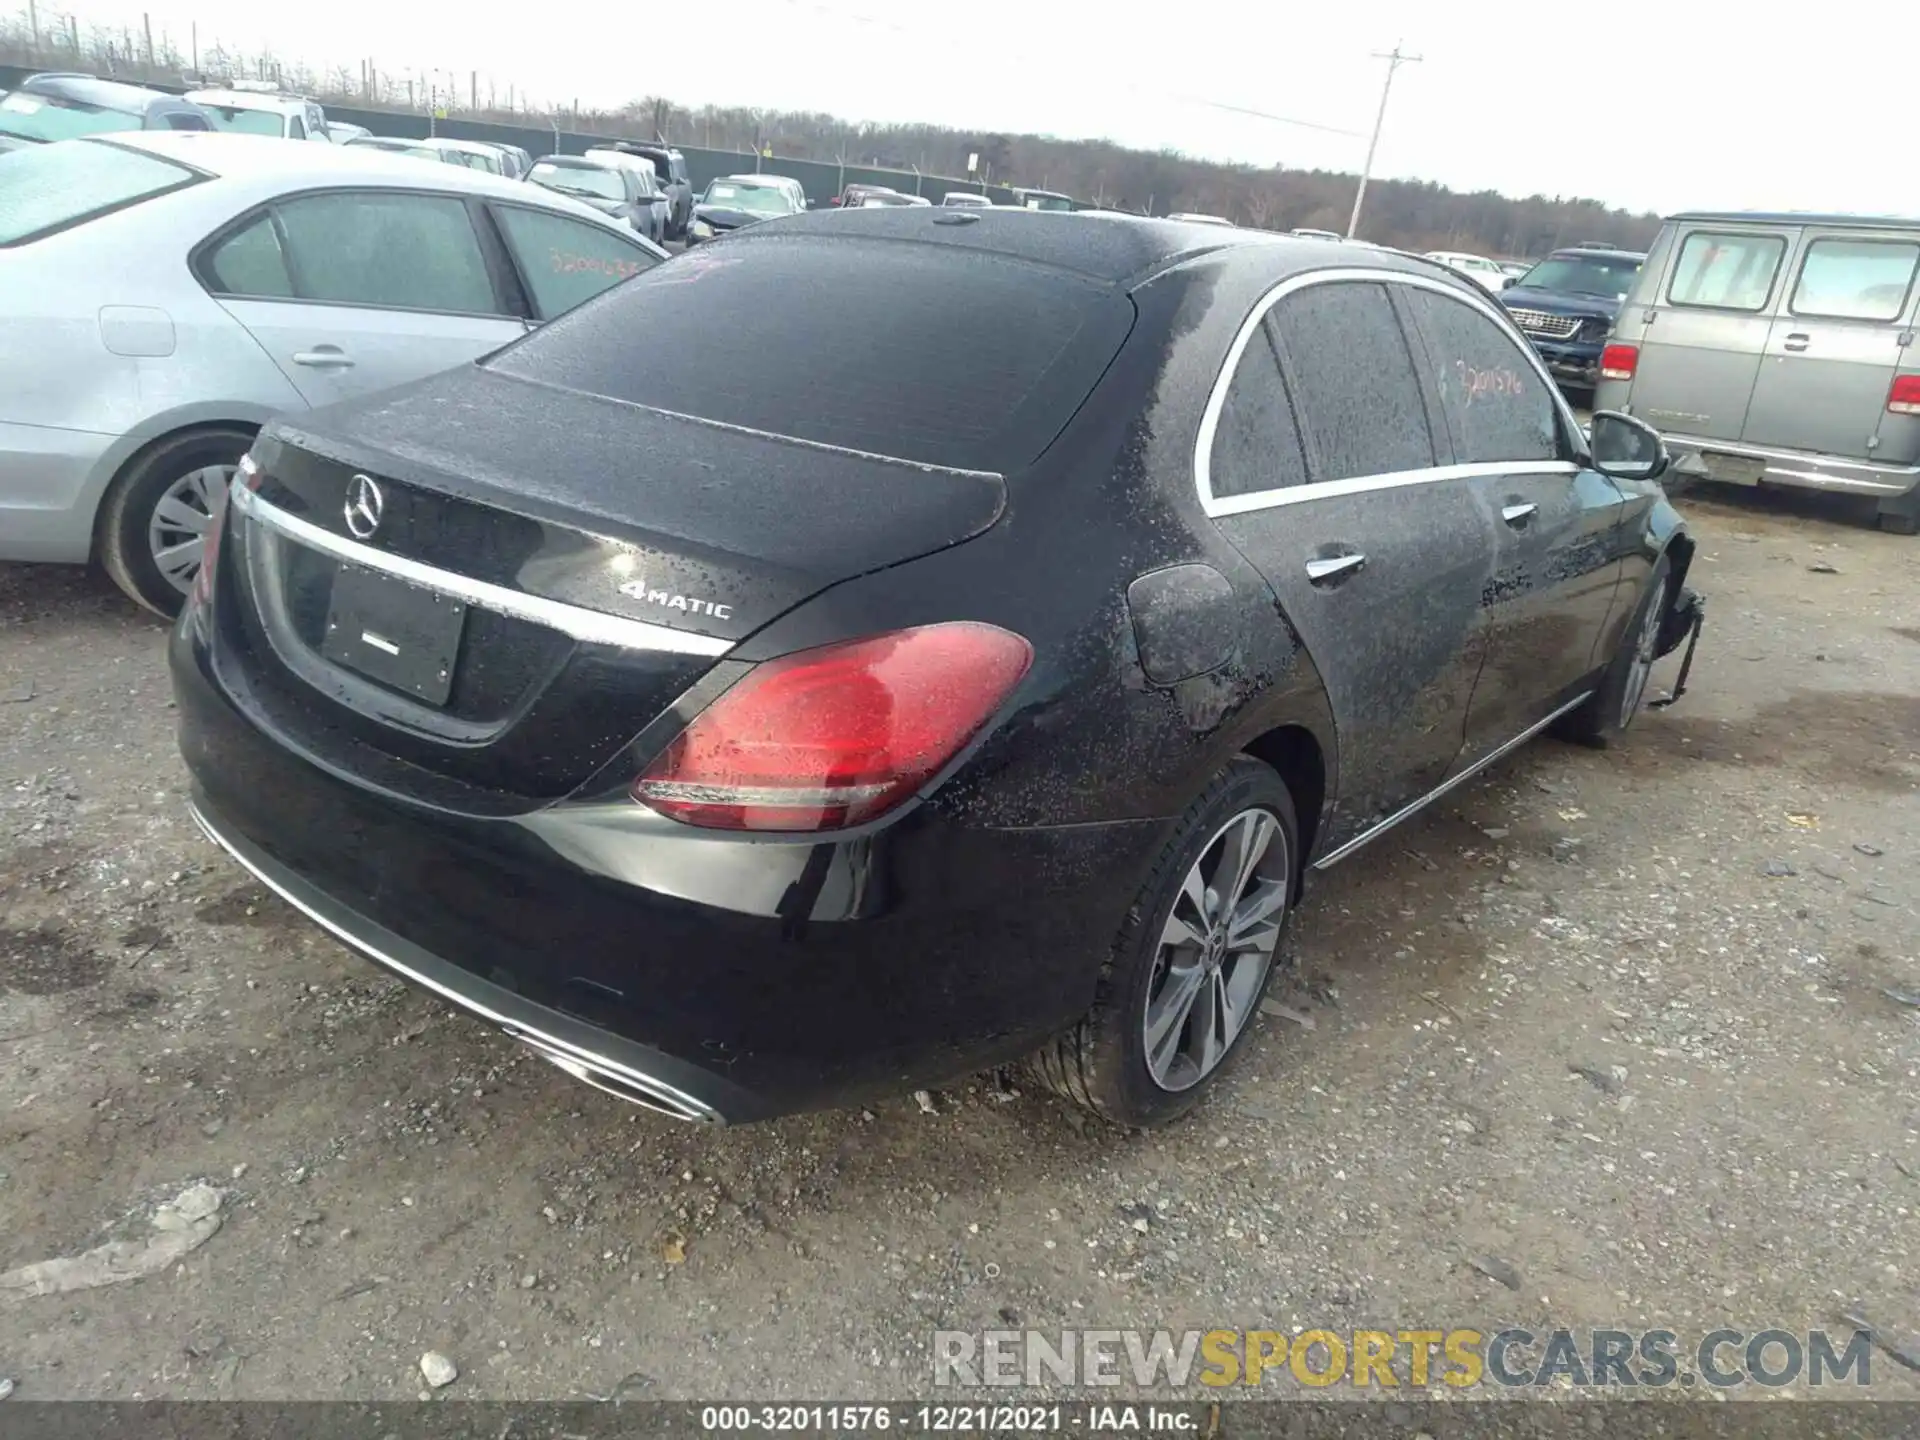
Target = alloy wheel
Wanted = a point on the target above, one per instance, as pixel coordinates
(1215, 949)
(1645, 644)
(178, 527)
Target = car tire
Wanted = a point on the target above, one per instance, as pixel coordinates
(1104, 1063)
(129, 528)
(1895, 522)
(1611, 709)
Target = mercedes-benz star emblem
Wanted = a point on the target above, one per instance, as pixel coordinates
(363, 507)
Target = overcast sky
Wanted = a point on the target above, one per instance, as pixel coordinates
(1695, 105)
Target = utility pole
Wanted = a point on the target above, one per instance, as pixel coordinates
(1394, 61)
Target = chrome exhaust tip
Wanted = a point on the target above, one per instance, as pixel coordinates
(627, 1085)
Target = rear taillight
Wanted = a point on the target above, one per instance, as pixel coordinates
(1617, 362)
(832, 737)
(1904, 397)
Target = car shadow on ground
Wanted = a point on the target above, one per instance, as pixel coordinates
(1852, 512)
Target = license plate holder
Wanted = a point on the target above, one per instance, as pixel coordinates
(402, 635)
(1733, 469)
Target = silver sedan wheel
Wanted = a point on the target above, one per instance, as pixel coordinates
(1645, 644)
(1215, 948)
(178, 527)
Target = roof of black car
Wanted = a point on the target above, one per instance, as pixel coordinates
(106, 94)
(1115, 249)
(1798, 217)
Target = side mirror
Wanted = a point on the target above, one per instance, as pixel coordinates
(1625, 447)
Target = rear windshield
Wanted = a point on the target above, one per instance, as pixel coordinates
(56, 117)
(51, 187)
(924, 352)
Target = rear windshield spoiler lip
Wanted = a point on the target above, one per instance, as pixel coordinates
(925, 467)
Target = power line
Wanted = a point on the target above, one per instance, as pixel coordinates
(1263, 115)
(1394, 61)
(835, 12)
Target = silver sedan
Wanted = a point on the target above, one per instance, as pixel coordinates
(161, 295)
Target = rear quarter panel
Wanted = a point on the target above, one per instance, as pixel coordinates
(57, 369)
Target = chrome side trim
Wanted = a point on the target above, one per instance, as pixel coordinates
(1360, 484)
(581, 1064)
(1327, 861)
(1299, 494)
(591, 626)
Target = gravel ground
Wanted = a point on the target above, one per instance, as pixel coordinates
(1619, 1021)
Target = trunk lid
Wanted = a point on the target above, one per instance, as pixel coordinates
(533, 575)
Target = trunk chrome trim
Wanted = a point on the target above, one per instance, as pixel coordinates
(1375, 831)
(592, 627)
(600, 1071)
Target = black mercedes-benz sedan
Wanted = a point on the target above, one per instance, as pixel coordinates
(971, 668)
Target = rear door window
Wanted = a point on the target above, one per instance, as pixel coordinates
(1855, 279)
(1353, 381)
(401, 251)
(43, 189)
(1496, 405)
(1256, 444)
(1726, 271)
(250, 262)
(567, 262)
(931, 353)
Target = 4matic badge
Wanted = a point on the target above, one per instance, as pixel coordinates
(668, 600)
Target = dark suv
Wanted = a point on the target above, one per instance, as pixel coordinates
(1566, 306)
(60, 107)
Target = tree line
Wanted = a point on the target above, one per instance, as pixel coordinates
(1410, 214)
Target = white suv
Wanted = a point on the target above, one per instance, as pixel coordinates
(254, 112)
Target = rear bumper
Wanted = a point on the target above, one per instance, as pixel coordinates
(1751, 464)
(47, 492)
(633, 1072)
(714, 978)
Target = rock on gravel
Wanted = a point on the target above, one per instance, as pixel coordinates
(178, 1229)
(438, 1370)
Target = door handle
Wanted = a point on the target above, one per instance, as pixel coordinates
(1796, 342)
(324, 357)
(1331, 569)
(1519, 513)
